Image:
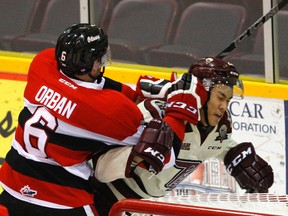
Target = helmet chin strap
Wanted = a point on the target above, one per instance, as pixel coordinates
(99, 78)
(205, 108)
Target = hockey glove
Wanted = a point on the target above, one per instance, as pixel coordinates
(185, 98)
(153, 146)
(249, 169)
(151, 87)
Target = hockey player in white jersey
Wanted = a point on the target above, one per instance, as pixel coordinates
(208, 137)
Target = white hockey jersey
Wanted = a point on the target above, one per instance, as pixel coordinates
(199, 144)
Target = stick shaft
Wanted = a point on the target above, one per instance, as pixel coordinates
(252, 29)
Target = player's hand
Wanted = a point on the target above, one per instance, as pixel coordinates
(185, 98)
(153, 146)
(249, 169)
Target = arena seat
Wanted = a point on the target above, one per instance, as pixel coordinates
(16, 18)
(57, 16)
(102, 12)
(204, 29)
(151, 25)
(253, 63)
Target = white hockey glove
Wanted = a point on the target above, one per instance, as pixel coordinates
(249, 169)
(151, 87)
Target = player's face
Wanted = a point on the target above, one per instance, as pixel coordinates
(96, 68)
(218, 103)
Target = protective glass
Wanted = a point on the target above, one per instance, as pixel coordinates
(238, 90)
(103, 62)
(106, 58)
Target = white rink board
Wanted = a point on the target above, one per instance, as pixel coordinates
(262, 122)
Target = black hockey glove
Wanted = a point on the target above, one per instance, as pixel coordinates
(249, 169)
(153, 146)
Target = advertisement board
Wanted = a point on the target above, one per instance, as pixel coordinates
(11, 103)
(263, 121)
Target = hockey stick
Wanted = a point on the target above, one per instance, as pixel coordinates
(252, 29)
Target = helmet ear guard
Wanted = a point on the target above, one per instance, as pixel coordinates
(79, 46)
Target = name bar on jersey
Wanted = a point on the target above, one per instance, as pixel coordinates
(55, 101)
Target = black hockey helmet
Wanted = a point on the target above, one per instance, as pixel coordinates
(79, 46)
(211, 71)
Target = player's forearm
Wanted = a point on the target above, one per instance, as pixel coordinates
(121, 87)
(111, 165)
